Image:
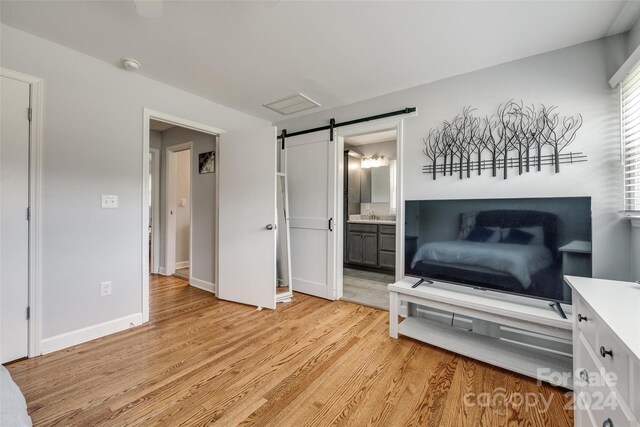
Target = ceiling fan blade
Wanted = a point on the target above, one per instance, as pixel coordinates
(150, 8)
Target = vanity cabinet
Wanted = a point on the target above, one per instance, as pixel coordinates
(371, 245)
(363, 244)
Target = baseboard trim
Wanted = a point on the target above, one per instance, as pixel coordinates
(182, 264)
(201, 284)
(89, 333)
(162, 271)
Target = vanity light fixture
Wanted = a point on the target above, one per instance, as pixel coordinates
(374, 161)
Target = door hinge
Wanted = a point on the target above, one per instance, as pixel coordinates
(29, 113)
(28, 313)
(29, 214)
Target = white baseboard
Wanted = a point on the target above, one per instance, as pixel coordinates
(89, 333)
(182, 264)
(201, 284)
(162, 271)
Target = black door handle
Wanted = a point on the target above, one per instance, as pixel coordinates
(581, 318)
(330, 224)
(604, 352)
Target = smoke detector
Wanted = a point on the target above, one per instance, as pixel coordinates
(130, 64)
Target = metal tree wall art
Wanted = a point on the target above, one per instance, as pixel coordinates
(517, 136)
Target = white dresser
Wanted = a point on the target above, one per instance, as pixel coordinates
(606, 351)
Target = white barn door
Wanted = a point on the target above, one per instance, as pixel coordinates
(311, 165)
(14, 226)
(246, 167)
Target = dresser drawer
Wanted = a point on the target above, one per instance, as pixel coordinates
(364, 228)
(609, 417)
(615, 360)
(587, 322)
(595, 401)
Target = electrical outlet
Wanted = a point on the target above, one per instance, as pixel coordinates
(105, 289)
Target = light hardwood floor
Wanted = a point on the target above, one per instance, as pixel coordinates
(202, 361)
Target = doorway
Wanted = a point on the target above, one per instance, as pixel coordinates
(371, 213)
(180, 209)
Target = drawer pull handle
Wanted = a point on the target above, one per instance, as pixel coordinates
(581, 318)
(604, 352)
(584, 375)
(607, 423)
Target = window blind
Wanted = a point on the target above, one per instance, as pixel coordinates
(630, 125)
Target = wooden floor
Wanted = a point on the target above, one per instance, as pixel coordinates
(201, 361)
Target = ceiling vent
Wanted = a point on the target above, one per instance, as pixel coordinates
(292, 104)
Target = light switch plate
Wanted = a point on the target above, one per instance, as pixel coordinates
(109, 201)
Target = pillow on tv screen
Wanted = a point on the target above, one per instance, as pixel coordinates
(484, 235)
(467, 224)
(538, 235)
(518, 237)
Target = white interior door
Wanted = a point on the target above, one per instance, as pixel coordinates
(171, 170)
(246, 163)
(14, 227)
(311, 165)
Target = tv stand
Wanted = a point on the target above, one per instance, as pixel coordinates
(533, 316)
(420, 282)
(558, 309)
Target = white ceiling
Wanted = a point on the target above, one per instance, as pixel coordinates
(159, 126)
(245, 54)
(371, 138)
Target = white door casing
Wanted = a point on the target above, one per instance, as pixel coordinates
(312, 174)
(14, 225)
(246, 165)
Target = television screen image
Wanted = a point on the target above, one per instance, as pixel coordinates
(519, 246)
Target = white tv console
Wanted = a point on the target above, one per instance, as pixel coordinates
(534, 316)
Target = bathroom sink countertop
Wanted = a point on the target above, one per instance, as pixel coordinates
(385, 220)
(371, 221)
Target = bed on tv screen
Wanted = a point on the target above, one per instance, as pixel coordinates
(507, 245)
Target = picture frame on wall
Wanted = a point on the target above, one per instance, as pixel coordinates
(207, 162)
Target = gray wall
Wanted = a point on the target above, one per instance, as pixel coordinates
(203, 200)
(92, 145)
(576, 80)
(155, 139)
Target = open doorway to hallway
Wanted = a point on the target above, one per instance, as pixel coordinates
(182, 221)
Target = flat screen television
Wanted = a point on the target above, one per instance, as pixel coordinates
(518, 246)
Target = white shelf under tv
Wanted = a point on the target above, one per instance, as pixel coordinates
(524, 313)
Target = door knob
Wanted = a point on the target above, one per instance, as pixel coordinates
(270, 227)
(581, 318)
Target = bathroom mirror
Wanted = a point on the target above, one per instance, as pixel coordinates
(283, 253)
(375, 185)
